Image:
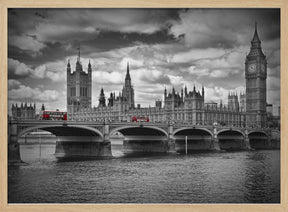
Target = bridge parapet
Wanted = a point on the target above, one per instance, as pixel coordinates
(106, 127)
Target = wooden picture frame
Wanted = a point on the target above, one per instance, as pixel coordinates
(5, 4)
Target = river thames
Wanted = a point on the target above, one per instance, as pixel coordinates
(221, 177)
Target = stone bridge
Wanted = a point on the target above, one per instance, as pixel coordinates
(90, 139)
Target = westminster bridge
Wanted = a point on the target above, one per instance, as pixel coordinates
(92, 139)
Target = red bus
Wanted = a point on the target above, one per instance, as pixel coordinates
(53, 115)
(139, 119)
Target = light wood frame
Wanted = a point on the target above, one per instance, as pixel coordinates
(5, 4)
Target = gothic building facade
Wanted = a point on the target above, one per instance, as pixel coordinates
(24, 111)
(186, 107)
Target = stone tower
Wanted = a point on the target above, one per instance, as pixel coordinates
(255, 75)
(79, 86)
(102, 99)
(128, 91)
(111, 100)
(194, 105)
(233, 102)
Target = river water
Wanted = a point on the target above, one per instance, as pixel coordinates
(223, 177)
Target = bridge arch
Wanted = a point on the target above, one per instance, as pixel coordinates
(258, 131)
(223, 130)
(75, 141)
(258, 139)
(60, 130)
(129, 129)
(276, 133)
(192, 128)
(143, 139)
(231, 139)
(198, 139)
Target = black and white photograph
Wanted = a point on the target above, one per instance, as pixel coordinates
(143, 105)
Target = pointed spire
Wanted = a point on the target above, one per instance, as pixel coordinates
(68, 67)
(78, 59)
(202, 91)
(255, 50)
(127, 73)
(256, 37)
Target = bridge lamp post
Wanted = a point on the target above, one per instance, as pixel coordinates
(186, 145)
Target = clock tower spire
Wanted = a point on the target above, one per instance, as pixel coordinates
(255, 76)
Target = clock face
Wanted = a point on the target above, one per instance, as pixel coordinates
(252, 68)
(263, 68)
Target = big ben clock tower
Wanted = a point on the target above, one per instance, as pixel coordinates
(256, 75)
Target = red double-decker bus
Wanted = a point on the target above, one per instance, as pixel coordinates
(53, 115)
(139, 119)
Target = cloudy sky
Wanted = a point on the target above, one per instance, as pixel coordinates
(165, 47)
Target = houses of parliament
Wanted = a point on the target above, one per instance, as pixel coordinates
(246, 109)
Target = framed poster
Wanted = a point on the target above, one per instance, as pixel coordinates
(143, 106)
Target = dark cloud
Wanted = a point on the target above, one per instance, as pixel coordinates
(52, 52)
(109, 40)
(225, 28)
(50, 38)
(21, 20)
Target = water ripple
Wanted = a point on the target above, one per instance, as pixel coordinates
(235, 177)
